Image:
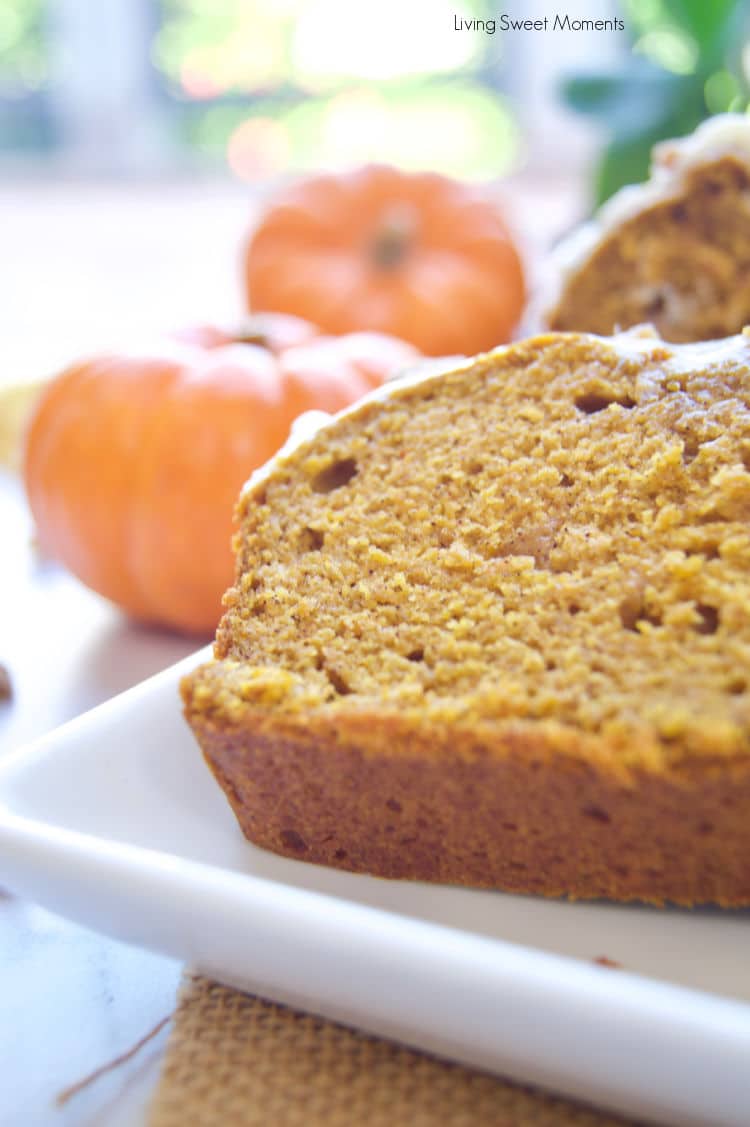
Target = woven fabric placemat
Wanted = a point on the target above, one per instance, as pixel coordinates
(234, 1060)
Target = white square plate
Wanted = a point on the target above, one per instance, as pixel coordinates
(114, 821)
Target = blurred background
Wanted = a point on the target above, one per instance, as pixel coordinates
(139, 137)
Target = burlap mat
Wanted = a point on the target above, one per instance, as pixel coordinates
(233, 1059)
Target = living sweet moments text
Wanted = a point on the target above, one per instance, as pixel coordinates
(560, 21)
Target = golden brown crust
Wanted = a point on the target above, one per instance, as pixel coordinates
(515, 807)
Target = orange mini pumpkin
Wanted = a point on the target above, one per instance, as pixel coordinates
(133, 463)
(421, 256)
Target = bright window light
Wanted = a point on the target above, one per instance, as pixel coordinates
(336, 39)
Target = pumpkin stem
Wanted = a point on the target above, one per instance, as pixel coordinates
(252, 330)
(395, 237)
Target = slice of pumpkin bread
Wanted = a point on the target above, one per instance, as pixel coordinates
(492, 627)
(674, 251)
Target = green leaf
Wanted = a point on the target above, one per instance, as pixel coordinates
(632, 102)
(705, 20)
(623, 162)
(626, 160)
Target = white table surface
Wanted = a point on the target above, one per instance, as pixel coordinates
(70, 1000)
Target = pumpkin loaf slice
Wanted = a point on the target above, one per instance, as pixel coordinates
(492, 627)
(674, 251)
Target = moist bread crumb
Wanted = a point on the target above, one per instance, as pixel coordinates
(492, 627)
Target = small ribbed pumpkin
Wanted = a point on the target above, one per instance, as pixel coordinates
(422, 256)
